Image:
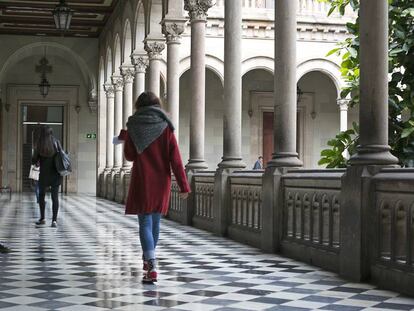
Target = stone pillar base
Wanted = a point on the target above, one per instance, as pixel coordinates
(119, 186)
(189, 204)
(356, 218)
(222, 200)
(126, 182)
(100, 191)
(109, 184)
(272, 209)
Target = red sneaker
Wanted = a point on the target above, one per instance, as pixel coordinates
(150, 277)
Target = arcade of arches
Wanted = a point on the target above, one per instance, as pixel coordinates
(239, 79)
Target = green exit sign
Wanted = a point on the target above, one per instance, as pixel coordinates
(91, 135)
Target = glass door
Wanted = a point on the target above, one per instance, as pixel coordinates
(34, 116)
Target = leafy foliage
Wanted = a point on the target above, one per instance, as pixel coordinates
(401, 84)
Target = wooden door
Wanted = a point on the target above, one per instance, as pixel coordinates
(268, 142)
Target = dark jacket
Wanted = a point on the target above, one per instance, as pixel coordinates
(48, 175)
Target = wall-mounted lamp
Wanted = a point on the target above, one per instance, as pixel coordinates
(77, 108)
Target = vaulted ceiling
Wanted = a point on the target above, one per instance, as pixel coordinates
(35, 17)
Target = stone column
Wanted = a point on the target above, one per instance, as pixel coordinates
(140, 63)
(373, 107)
(172, 30)
(198, 16)
(118, 83)
(109, 90)
(285, 154)
(154, 50)
(232, 85)
(343, 110)
(128, 77)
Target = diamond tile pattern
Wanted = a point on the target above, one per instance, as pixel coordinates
(92, 261)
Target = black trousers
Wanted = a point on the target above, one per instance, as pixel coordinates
(55, 201)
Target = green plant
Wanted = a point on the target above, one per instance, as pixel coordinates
(401, 84)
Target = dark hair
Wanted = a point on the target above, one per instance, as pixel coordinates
(146, 99)
(260, 157)
(45, 143)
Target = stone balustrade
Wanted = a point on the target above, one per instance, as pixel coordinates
(203, 211)
(245, 221)
(311, 222)
(392, 214)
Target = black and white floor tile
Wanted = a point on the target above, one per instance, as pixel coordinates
(92, 261)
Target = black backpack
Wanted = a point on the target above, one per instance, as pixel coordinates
(62, 161)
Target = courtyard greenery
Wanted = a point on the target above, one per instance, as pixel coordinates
(401, 82)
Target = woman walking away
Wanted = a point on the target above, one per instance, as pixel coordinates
(150, 143)
(44, 153)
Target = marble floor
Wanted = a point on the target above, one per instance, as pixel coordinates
(92, 261)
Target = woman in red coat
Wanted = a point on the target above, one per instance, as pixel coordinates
(150, 143)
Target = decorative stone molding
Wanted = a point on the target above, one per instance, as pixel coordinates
(197, 9)
(172, 30)
(93, 101)
(109, 90)
(128, 73)
(118, 83)
(154, 49)
(343, 104)
(140, 62)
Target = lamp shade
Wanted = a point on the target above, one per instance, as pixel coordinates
(62, 15)
(44, 87)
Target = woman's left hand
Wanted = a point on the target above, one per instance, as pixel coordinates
(183, 195)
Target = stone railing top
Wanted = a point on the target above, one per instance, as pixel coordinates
(248, 174)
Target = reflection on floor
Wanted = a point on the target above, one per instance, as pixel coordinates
(92, 261)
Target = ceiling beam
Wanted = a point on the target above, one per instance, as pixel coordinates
(77, 8)
(35, 32)
(48, 21)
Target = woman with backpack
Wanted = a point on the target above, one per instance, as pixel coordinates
(44, 154)
(150, 143)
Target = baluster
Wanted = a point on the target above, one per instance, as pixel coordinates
(297, 216)
(306, 218)
(250, 210)
(239, 207)
(290, 212)
(411, 236)
(233, 206)
(385, 231)
(210, 202)
(256, 210)
(400, 233)
(335, 221)
(326, 206)
(259, 208)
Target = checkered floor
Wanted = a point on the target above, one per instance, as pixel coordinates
(92, 261)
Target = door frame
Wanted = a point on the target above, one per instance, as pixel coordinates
(51, 103)
(17, 94)
(262, 101)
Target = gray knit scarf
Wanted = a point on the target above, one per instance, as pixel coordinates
(146, 125)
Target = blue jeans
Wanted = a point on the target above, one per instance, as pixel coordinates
(149, 231)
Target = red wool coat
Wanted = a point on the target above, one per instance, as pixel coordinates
(150, 187)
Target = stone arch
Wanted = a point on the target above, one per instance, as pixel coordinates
(139, 27)
(258, 62)
(127, 43)
(117, 54)
(108, 65)
(87, 75)
(325, 66)
(213, 63)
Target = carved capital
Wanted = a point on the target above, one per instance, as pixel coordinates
(343, 104)
(197, 9)
(140, 62)
(172, 31)
(118, 83)
(128, 73)
(109, 90)
(154, 49)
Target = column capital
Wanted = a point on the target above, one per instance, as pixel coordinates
(118, 83)
(172, 30)
(128, 73)
(154, 48)
(140, 61)
(109, 90)
(197, 9)
(343, 103)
